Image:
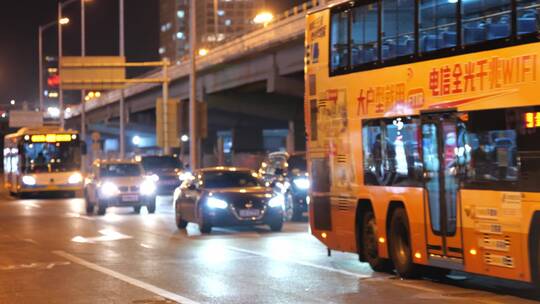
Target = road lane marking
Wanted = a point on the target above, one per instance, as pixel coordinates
(30, 204)
(303, 263)
(47, 266)
(77, 215)
(107, 235)
(122, 277)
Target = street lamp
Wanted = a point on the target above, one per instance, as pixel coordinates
(41, 29)
(263, 18)
(203, 52)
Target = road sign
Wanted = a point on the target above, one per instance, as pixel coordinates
(20, 119)
(171, 131)
(96, 73)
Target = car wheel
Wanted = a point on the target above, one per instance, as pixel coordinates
(400, 245)
(297, 213)
(288, 213)
(151, 206)
(88, 203)
(276, 225)
(204, 225)
(180, 222)
(102, 208)
(137, 209)
(370, 245)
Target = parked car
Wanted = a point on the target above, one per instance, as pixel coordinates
(118, 183)
(166, 171)
(227, 196)
(288, 174)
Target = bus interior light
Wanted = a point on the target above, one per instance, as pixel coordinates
(382, 240)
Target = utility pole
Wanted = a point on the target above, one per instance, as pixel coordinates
(193, 136)
(83, 92)
(60, 92)
(122, 101)
(40, 48)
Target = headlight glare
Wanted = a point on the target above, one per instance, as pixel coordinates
(216, 203)
(108, 189)
(29, 180)
(75, 178)
(277, 201)
(302, 183)
(148, 187)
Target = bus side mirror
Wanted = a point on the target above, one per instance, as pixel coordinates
(83, 148)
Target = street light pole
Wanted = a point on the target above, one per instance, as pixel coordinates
(193, 138)
(40, 47)
(122, 101)
(60, 92)
(83, 92)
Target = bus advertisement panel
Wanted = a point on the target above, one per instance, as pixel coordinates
(428, 157)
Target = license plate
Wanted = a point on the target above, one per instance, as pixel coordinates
(130, 198)
(249, 212)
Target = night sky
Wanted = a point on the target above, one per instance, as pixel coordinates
(19, 21)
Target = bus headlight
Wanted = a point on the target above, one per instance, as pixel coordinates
(108, 189)
(302, 183)
(29, 180)
(75, 178)
(277, 201)
(148, 187)
(216, 203)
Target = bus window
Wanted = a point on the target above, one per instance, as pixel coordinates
(397, 28)
(402, 134)
(486, 20)
(340, 41)
(364, 37)
(493, 147)
(437, 25)
(527, 16)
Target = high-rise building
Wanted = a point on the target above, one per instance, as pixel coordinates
(217, 20)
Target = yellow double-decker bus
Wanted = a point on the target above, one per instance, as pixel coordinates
(41, 160)
(423, 122)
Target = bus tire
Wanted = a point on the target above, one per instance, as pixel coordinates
(535, 259)
(370, 247)
(400, 245)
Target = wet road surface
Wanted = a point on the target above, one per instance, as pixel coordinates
(52, 252)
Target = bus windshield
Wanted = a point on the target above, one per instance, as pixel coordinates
(51, 157)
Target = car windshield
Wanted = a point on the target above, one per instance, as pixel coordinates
(230, 179)
(297, 162)
(120, 170)
(161, 162)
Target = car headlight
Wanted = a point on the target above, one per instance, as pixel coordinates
(148, 187)
(29, 180)
(216, 203)
(75, 178)
(108, 189)
(302, 183)
(277, 201)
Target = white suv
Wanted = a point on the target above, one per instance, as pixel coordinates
(119, 183)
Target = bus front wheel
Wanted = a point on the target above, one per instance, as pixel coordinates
(400, 245)
(370, 247)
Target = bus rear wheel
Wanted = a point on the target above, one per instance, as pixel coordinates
(400, 245)
(370, 247)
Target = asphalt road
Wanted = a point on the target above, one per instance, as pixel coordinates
(51, 252)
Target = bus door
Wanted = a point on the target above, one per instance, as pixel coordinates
(441, 182)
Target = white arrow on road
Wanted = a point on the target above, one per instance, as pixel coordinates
(107, 235)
